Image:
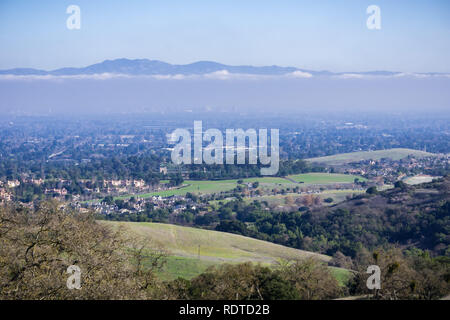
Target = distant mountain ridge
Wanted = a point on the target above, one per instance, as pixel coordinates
(156, 67)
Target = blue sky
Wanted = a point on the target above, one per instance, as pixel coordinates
(318, 35)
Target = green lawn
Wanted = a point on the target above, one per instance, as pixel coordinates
(325, 178)
(210, 186)
(271, 180)
(183, 267)
(192, 186)
(341, 275)
(216, 186)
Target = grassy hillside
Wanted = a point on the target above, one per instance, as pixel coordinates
(394, 154)
(215, 247)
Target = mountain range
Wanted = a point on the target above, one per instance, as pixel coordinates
(155, 67)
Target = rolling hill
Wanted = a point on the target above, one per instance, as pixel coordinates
(185, 243)
(156, 67)
(394, 154)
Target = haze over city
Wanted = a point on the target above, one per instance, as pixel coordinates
(225, 150)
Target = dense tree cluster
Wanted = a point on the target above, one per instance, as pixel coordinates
(305, 280)
(38, 246)
(405, 215)
(410, 275)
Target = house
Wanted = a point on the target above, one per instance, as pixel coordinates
(13, 183)
(61, 192)
(37, 181)
(163, 170)
(139, 183)
(116, 183)
(4, 195)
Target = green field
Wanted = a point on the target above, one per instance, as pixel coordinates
(216, 186)
(209, 186)
(184, 267)
(184, 243)
(325, 178)
(341, 275)
(279, 199)
(394, 154)
(193, 186)
(338, 195)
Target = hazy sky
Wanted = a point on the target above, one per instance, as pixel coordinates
(320, 34)
(140, 94)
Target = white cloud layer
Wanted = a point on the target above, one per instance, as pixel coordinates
(299, 74)
(217, 75)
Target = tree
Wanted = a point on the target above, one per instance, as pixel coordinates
(311, 279)
(341, 261)
(372, 190)
(109, 200)
(176, 180)
(244, 281)
(289, 200)
(402, 277)
(192, 196)
(400, 185)
(38, 246)
(225, 213)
